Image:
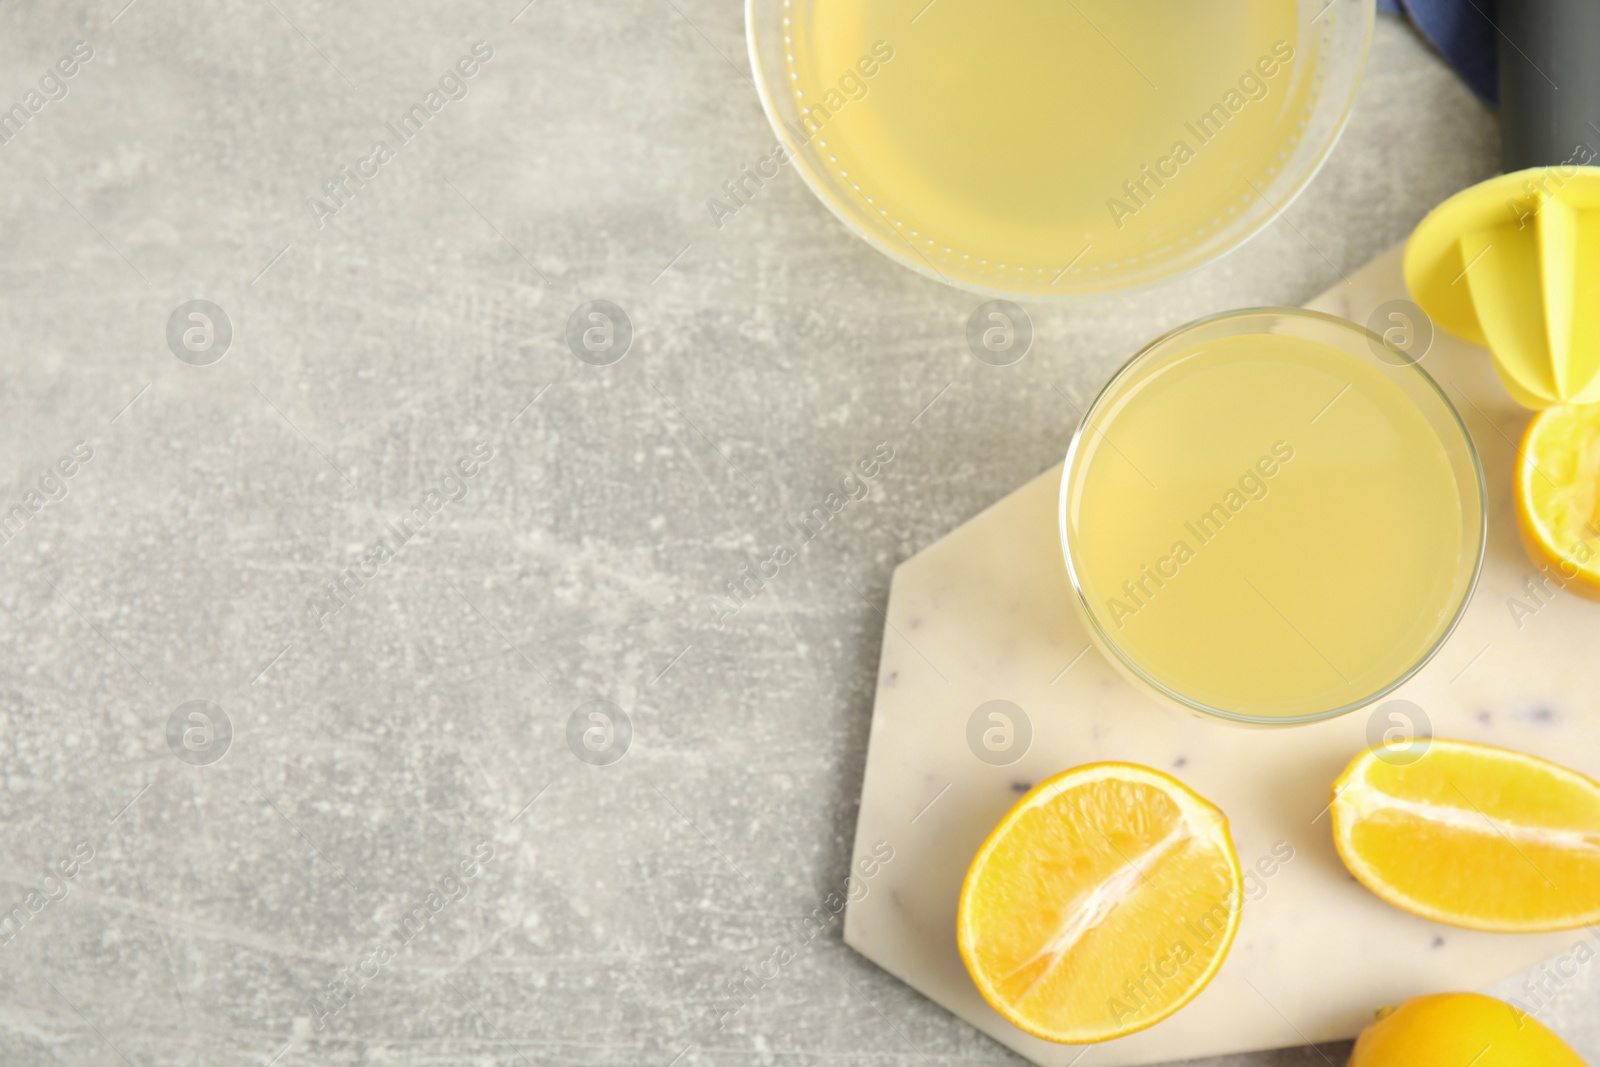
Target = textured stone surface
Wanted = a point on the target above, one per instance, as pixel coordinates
(371, 755)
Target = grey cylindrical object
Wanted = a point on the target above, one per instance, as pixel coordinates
(1549, 82)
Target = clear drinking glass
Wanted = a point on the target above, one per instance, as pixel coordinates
(1044, 221)
(1271, 516)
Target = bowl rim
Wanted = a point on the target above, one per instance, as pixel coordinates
(920, 263)
(1109, 647)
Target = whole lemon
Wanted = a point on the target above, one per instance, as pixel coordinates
(1456, 1029)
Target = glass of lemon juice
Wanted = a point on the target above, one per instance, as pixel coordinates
(1271, 516)
(1039, 148)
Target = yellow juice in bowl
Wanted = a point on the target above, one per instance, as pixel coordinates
(1009, 140)
(1272, 524)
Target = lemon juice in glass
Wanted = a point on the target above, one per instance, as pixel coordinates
(1039, 148)
(1271, 516)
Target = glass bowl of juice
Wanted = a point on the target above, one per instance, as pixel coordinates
(1271, 516)
(1033, 148)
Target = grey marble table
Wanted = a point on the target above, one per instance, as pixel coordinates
(299, 659)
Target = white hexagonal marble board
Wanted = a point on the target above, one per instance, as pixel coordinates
(985, 614)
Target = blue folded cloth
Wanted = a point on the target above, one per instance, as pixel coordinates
(1463, 32)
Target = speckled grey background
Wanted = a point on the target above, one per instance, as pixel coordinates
(244, 911)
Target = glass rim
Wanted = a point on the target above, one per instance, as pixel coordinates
(762, 78)
(1108, 644)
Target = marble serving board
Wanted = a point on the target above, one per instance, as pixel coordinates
(984, 614)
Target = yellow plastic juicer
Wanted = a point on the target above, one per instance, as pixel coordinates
(1513, 264)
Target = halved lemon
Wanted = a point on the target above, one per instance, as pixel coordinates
(1103, 902)
(1473, 836)
(1558, 496)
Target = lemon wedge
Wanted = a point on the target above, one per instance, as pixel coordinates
(1473, 836)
